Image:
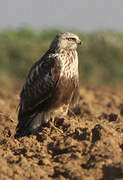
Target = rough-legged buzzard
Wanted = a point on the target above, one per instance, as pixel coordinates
(52, 85)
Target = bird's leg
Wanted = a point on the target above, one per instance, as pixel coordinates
(75, 116)
(52, 124)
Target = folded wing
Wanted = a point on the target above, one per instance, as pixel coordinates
(37, 92)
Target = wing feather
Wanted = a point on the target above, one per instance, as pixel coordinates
(39, 85)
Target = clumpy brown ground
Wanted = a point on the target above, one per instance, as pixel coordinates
(90, 148)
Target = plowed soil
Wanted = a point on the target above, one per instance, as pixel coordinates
(90, 147)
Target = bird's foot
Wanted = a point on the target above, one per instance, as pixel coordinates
(59, 130)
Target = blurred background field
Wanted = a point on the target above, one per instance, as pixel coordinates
(101, 56)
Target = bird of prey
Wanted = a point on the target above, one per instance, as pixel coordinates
(51, 87)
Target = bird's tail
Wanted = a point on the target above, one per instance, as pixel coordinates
(28, 125)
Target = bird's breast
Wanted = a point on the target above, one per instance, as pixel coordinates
(69, 64)
(68, 79)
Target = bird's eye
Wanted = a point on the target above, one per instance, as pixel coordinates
(71, 39)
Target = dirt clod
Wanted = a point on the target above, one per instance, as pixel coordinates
(112, 117)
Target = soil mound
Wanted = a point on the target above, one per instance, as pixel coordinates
(90, 147)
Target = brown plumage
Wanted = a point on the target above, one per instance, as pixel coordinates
(52, 85)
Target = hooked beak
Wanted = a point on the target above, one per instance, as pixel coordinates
(80, 42)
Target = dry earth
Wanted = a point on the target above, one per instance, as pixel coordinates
(90, 148)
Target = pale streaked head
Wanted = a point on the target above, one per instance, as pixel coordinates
(65, 40)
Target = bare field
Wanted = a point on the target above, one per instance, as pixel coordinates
(90, 148)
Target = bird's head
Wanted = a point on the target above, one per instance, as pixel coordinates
(65, 40)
